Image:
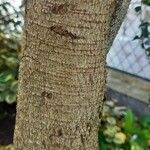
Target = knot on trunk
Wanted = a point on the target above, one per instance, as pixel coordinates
(60, 9)
(46, 95)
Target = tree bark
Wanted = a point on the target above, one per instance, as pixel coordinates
(63, 73)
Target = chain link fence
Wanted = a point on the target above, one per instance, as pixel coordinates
(127, 54)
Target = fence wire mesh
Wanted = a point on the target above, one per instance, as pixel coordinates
(127, 54)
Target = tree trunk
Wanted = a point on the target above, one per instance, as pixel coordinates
(63, 73)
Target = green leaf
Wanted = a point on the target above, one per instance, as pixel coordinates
(11, 98)
(110, 131)
(129, 121)
(2, 98)
(148, 49)
(137, 9)
(6, 76)
(145, 121)
(145, 32)
(146, 133)
(2, 87)
(146, 2)
(14, 86)
(143, 46)
(136, 146)
(11, 62)
(9, 147)
(119, 138)
(3, 95)
(1, 62)
(111, 120)
(136, 37)
(102, 142)
(144, 24)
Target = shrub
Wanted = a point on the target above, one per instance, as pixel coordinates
(122, 130)
(10, 28)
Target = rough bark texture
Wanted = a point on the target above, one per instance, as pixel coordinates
(62, 74)
(119, 12)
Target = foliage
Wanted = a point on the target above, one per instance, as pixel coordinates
(146, 2)
(10, 28)
(144, 37)
(121, 129)
(9, 147)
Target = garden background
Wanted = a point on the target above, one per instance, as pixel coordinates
(126, 114)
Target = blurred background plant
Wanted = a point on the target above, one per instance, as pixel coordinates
(9, 147)
(146, 2)
(144, 36)
(122, 130)
(10, 30)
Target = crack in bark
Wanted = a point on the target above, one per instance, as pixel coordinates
(63, 32)
(83, 141)
(44, 144)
